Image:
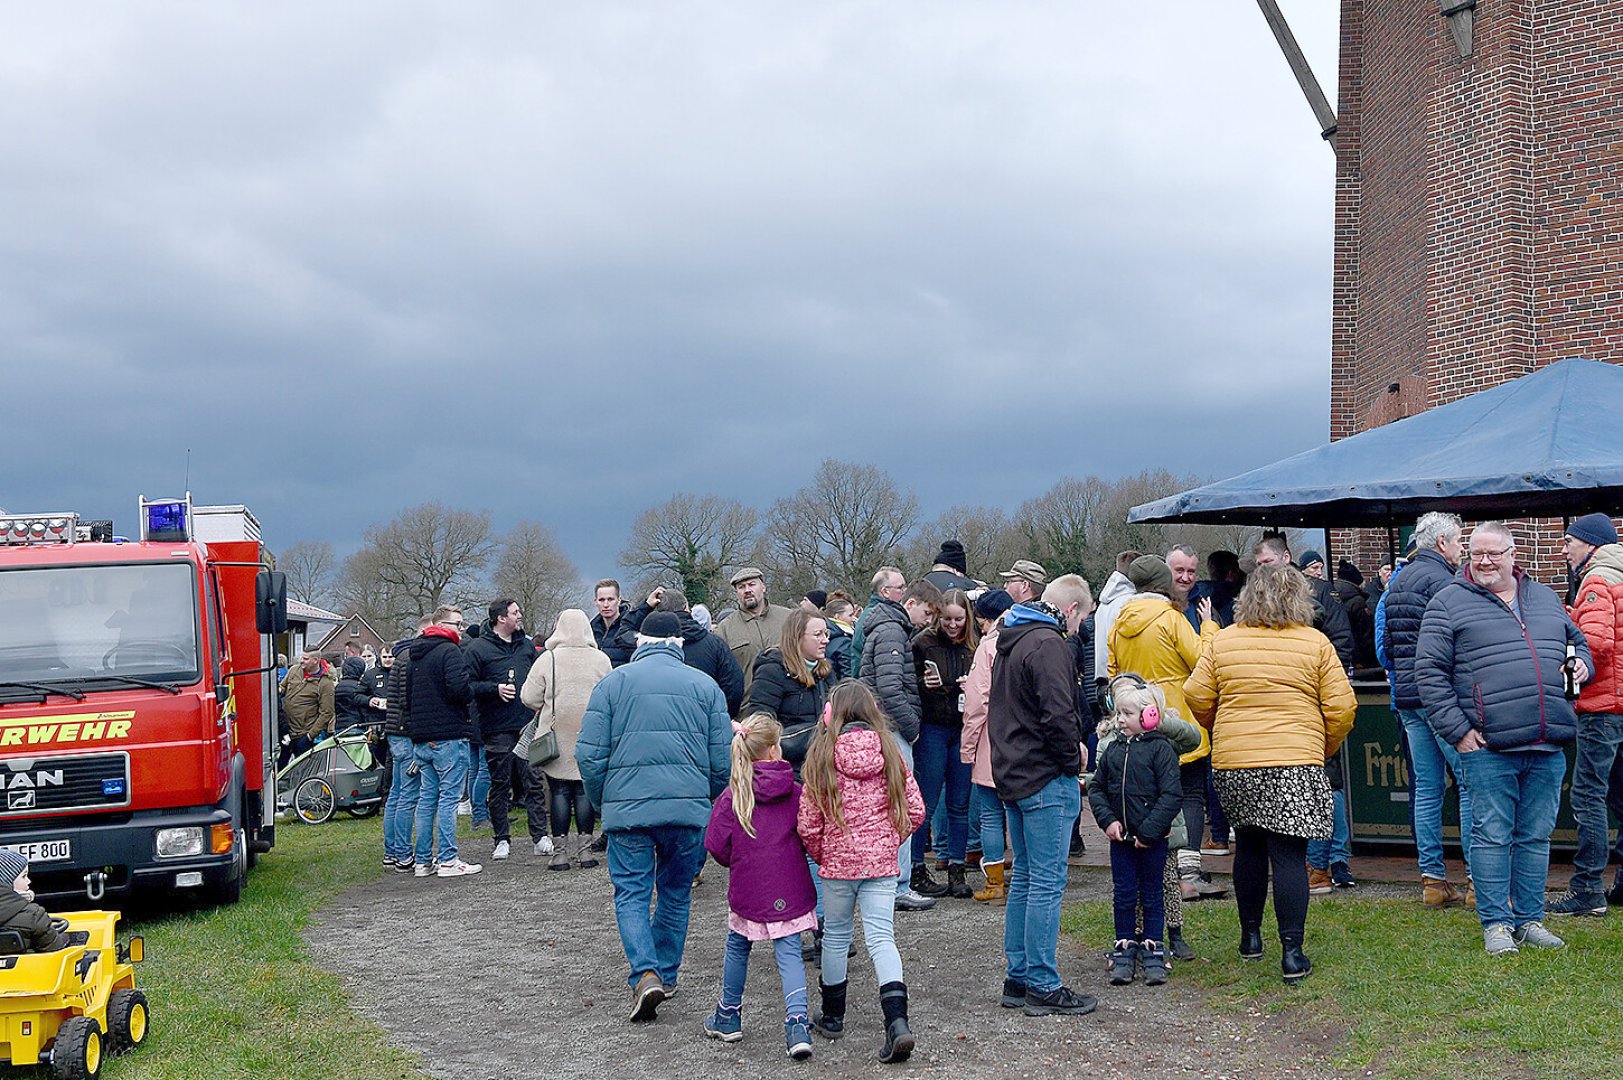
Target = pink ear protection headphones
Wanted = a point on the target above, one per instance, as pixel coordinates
(1149, 718)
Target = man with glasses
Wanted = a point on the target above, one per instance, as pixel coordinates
(1438, 547)
(1489, 663)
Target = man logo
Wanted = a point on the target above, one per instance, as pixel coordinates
(20, 799)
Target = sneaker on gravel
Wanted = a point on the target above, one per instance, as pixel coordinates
(404, 866)
(423, 869)
(464, 808)
(1014, 994)
(912, 901)
(1341, 876)
(797, 1037)
(1123, 961)
(646, 996)
(600, 843)
(458, 868)
(1061, 1001)
(544, 846)
(1498, 940)
(1578, 904)
(503, 849)
(1535, 936)
(724, 1024)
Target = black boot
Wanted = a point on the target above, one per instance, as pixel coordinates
(1293, 962)
(925, 885)
(830, 1019)
(957, 887)
(898, 1039)
(1177, 946)
(1250, 943)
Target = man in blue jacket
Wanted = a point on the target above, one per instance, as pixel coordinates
(653, 755)
(1489, 665)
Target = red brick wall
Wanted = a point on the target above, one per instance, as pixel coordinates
(1479, 211)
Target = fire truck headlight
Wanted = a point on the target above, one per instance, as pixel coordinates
(175, 843)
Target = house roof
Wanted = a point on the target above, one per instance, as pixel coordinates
(299, 611)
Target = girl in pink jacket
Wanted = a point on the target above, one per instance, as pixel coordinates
(859, 804)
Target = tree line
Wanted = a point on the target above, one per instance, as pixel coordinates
(832, 533)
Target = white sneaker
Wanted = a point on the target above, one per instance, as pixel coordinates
(464, 809)
(544, 846)
(422, 870)
(501, 851)
(458, 869)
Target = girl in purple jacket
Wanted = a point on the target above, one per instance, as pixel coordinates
(769, 888)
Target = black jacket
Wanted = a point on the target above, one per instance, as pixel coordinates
(349, 696)
(612, 648)
(395, 721)
(1360, 619)
(701, 651)
(1088, 708)
(1031, 710)
(30, 920)
(839, 652)
(1137, 783)
(942, 707)
(1411, 589)
(491, 662)
(376, 684)
(886, 665)
(799, 708)
(1330, 619)
(438, 690)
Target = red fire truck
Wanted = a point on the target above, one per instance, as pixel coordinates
(138, 700)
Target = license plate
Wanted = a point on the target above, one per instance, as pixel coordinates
(43, 850)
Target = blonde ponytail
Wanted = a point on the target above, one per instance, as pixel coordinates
(753, 738)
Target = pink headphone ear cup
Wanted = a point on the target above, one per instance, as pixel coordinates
(1149, 718)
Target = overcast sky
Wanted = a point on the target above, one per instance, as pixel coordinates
(563, 260)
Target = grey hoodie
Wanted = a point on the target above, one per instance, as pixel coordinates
(1115, 592)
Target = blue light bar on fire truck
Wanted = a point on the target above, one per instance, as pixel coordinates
(166, 521)
(38, 528)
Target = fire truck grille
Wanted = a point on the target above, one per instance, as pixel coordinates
(72, 782)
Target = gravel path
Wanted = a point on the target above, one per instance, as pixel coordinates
(518, 972)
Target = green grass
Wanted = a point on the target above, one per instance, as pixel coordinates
(233, 991)
(1413, 989)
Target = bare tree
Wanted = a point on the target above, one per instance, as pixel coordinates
(1061, 528)
(837, 530)
(310, 568)
(360, 590)
(532, 570)
(692, 540)
(431, 554)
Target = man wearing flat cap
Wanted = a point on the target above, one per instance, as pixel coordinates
(1596, 562)
(756, 627)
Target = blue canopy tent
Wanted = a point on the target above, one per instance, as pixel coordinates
(1549, 444)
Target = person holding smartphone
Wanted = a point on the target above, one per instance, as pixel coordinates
(942, 654)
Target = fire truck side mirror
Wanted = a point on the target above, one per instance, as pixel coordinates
(270, 602)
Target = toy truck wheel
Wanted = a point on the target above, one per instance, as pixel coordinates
(76, 1055)
(126, 1020)
(313, 801)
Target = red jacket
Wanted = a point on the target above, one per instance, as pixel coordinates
(866, 847)
(1599, 614)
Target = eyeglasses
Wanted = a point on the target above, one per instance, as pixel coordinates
(1489, 556)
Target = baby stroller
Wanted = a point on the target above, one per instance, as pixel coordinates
(338, 773)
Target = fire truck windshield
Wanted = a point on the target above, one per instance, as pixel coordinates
(67, 624)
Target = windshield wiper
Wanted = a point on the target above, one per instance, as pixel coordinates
(45, 688)
(133, 681)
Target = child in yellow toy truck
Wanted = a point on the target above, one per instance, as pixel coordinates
(17, 908)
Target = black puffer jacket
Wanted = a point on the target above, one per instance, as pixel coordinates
(438, 689)
(799, 708)
(349, 696)
(887, 665)
(376, 685)
(30, 920)
(1330, 619)
(701, 651)
(1422, 578)
(1137, 783)
(941, 707)
(395, 722)
(612, 648)
(492, 662)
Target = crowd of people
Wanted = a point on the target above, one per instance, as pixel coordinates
(837, 754)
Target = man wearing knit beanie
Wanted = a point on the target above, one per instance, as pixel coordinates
(951, 568)
(1595, 562)
(17, 908)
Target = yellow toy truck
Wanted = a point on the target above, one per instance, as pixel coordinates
(72, 1007)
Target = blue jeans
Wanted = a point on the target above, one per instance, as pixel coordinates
(791, 971)
(1322, 853)
(877, 898)
(476, 786)
(663, 859)
(987, 808)
(1600, 737)
(441, 768)
(400, 808)
(1514, 799)
(904, 854)
(1135, 877)
(1428, 754)
(1040, 834)
(940, 770)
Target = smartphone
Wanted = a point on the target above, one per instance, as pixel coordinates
(932, 668)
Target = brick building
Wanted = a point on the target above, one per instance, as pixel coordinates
(1479, 206)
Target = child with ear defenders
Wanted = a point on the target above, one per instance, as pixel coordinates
(1135, 794)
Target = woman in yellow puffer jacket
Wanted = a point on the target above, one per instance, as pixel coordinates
(1277, 700)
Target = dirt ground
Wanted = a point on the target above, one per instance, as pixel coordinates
(518, 971)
